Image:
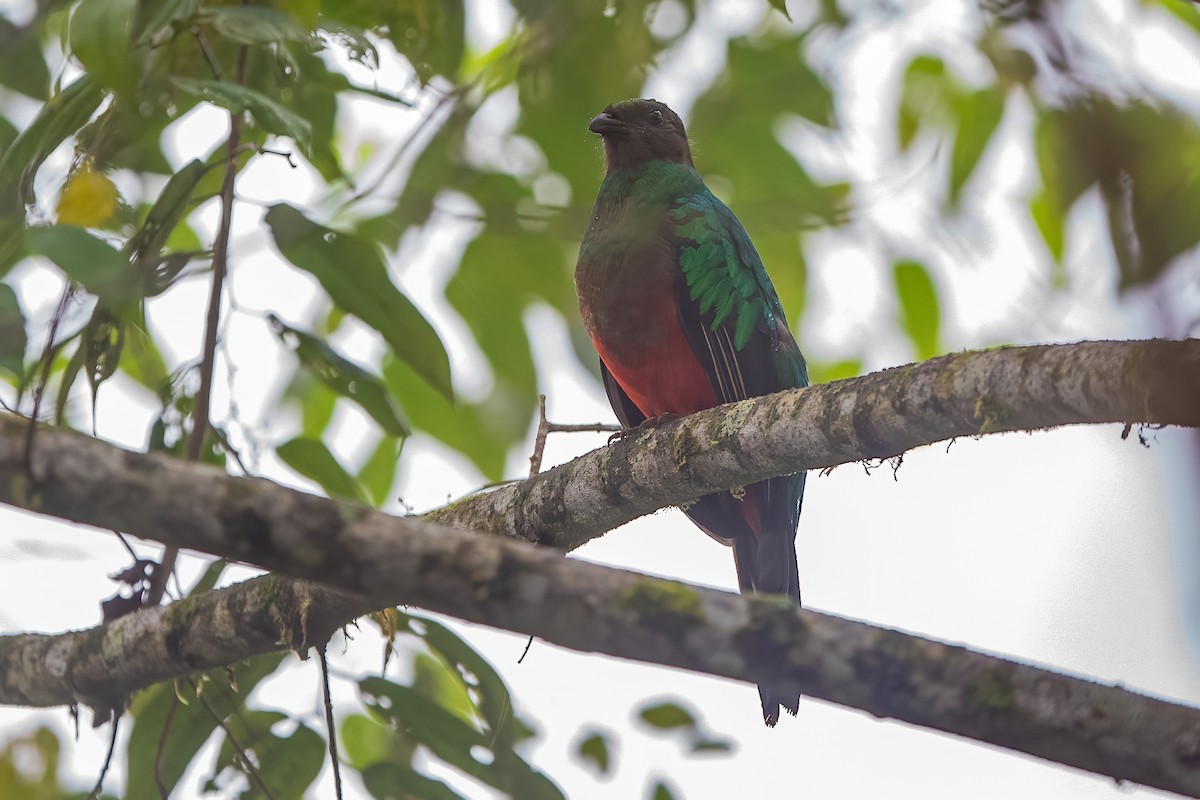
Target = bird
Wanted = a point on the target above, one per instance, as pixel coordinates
(683, 316)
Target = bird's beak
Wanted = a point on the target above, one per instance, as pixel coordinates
(605, 123)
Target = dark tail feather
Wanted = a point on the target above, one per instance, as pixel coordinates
(759, 571)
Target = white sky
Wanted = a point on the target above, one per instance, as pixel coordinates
(1052, 548)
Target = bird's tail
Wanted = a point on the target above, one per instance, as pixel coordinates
(766, 565)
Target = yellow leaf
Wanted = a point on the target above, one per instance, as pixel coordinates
(87, 199)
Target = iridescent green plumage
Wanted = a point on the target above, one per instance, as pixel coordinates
(679, 306)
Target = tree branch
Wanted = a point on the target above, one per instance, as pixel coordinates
(591, 608)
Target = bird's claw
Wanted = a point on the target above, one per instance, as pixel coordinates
(646, 424)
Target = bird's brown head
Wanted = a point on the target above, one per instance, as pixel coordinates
(638, 131)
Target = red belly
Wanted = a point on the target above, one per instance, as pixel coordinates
(660, 374)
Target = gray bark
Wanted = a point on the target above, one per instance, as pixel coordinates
(387, 560)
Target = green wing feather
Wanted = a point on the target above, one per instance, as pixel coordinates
(723, 270)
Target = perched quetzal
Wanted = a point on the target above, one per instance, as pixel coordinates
(683, 315)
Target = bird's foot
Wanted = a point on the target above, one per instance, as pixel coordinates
(647, 424)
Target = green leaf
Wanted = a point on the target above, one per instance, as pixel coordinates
(253, 24)
(662, 792)
(103, 340)
(191, 725)
(163, 13)
(172, 203)
(703, 744)
(93, 263)
(286, 764)
(343, 376)
(22, 63)
(387, 781)
(269, 114)
(100, 35)
(923, 98)
(312, 459)
(142, 361)
(379, 473)
(208, 580)
(353, 272)
(978, 115)
(781, 7)
(594, 748)
(919, 315)
(493, 701)
(1049, 220)
(668, 716)
(13, 338)
(61, 116)
(416, 716)
(440, 682)
(364, 741)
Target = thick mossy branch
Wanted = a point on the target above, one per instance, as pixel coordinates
(876, 416)
(491, 580)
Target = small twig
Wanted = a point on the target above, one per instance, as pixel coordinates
(539, 440)
(333, 749)
(112, 745)
(251, 769)
(544, 429)
(525, 652)
(39, 388)
(220, 266)
(286, 154)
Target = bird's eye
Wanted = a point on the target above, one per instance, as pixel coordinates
(656, 118)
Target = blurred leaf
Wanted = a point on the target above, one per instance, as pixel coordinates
(594, 748)
(703, 744)
(286, 764)
(270, 115)
(923, 97)
(352, 270)
(100, 37)
(85, 259)
(158, 15)
(59, 117)
(440, 682)
(466, 427)
(661, 792)
(162, 218)
(493, 699)
(142, 361)
(379, 473)
(88, 198)
(190, 727)
(918, 306)
(1049, 220)
(364, 741)
(103, 340)
(387, 781)
(343, 376)
(416, 716)
(1065, 174)
(208, 579)
(978, 115)
(312, 459)
(781, 7)
(13, 337)
(667, 716)
(825, 371)
(498, 278)
(253, 24)
(22, 64)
